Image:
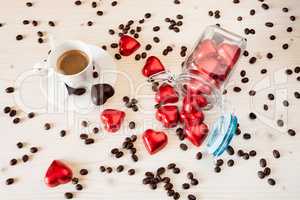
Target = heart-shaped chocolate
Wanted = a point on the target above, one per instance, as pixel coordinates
(205, 49)
(191, 118)
(193, 102)
(166, 94)
(214, 67)
(112, 119)
(101, 92)
(128, 45)
(152, 66)
(196, 134)
(168, 115)
(154, 141)
(229, 53)
(58, 173)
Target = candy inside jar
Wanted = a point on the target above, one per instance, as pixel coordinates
(199, 87)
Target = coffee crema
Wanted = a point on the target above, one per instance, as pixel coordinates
(72, 62)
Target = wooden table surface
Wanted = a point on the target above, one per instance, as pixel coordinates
(237, 183)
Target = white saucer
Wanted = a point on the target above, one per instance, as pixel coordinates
(56, 92)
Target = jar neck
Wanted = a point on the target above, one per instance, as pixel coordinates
(189, 81)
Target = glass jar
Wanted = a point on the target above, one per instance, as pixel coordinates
(205, 73)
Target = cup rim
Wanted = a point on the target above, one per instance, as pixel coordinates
(87, 52)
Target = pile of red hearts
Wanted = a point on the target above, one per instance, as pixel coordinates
(213, 62)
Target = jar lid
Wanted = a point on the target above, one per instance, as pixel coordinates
(221, 134)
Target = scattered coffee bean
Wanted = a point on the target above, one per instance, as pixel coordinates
(291, 132)
(131, 172)
(9, 181)
(47, 126)
(25, 158)
(83, 172)
(271, 181)
(120, 168)
(183, 147)
(6, 109)
(13, 162)
(79, 187)
(68, 195)
(33, 149)
(261, 174)
(276, 154)
(31, 115)
(263, 162)
(9, 89)
(230, 163)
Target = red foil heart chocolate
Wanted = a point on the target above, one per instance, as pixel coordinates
(168, 115)
(154, 141)
(166, 94)
(191, 118)
(152, 66)
(193, 102)
(205, 49)
(58, 173)
(112, 119)
(196, 134)
(229, 53)
(128, 45)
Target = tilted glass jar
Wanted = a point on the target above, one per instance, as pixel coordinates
(205, 73)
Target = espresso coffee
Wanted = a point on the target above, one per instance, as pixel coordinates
(72, 62)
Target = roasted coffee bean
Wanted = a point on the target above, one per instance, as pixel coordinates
(280, 123)
(156, 39)
(247, 136)
(20, 145)
(246, 156)
(156, 28)
(95, 74)
(291, 132)
(134, 158)
(133, 138)
(83, 172)
(51, 23)
(252, 12)
(171, 166)
(160, 171)
(240, 153)
(33, 149)
(237, 89)
(219, 162)
(109, 170)
(230, 150)
(13, 162)
(114, 3)
(297, 95)
(186, 186)
(114, 151)
(131, 125)
(84, 123)
(16, 120)
(199, 156)
(19, 37)
(292, 18)
(99, 12)
(79, 187)
(83, 136)
(62, 133)
(276, 154)
(267, 171)
(263, 162)
(230, 163)
(176, 195)
(271, 182)
(252, 60)
(12, 113)
(25, 158)
(40, 40)
(6, 109)
(147, 15)
(95, 130)
(9, 181)
(69, 195)
(119, 154)
(261, 174)
(217, 169)
(89, 141)
(252, 153)
(47, 126)
(183, 147)
(120, 168)
(102, 169)
(9, 89)
(131, 172)
(149, 174)
(269, 24)
(285, 46)
(75, 181)
(252, 116)
(29, 4)
(77, 3)
(176, 170)
(31, 115)
(191, 197)
(194, 181)
(265, 6)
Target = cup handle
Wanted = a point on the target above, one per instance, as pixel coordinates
(41, 68)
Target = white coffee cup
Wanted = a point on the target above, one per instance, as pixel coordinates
(50, 64)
